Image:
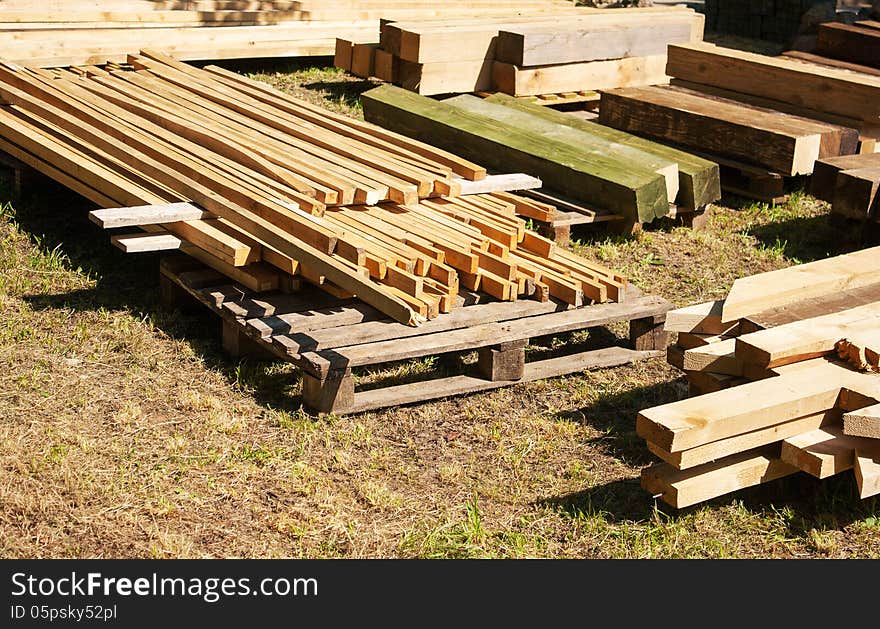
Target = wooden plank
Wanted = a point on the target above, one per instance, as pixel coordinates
(867, 469)
(636, 194)
(685, 488)
(823, 89)
(857, 192)
(112, 218)
(576, 77)
(717, 357)
(445, 77)
(822, 452)
(542, 45)
(472, 337)
(864, 422)
(702, 318)
(823, 182)
(732, 446)
(459, 385)
(812, 388)
(811, 307)
(699, 181)
(591, 144)
(785, 286)
(146, 243)
(805, 339)
(808, 57)
(769, 138)
(849, 43)
(510, 182)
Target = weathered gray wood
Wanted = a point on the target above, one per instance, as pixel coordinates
(333, 393)
(238, 345)
(503, 363)
(510, 182)
(477, 336)
(375, 331)
(111, 218)
(647, 334)
(460, 385)
(542, 45)
(638, 194)
(307, 321)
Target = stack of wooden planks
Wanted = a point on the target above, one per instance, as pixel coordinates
(58, 33)
(783, 379)
(851, 184)
(569, 51)
(267, 189)
(609, 170)
(775, 21)
(762, 118)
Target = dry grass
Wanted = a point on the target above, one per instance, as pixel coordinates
(125, 432)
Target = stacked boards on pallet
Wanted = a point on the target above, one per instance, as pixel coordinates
(573, 50)
(851, 184)
(762, 118)
(56, 34)
(269, 190)
(783, 378)
(605, 169)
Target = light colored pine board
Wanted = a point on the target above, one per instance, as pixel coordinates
(685, 488)
(821, 453)
(864, 422)
(722, 448)
(753, 294)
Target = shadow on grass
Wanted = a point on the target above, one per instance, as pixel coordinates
(347, 92)
(806, 503)
(810, 238)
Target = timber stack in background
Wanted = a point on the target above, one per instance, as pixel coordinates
(783, 377)
(763, 119)
(596, 173)
(55, 33)
(571, 51)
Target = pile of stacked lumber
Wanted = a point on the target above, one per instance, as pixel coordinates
(784, 377)
(57, 33)
(762, 118)
(266, 189)
(851, 184)
(570, 51)
(604, 169)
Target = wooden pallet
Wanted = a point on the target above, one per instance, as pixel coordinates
(326, 338)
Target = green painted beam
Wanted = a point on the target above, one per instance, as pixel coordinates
(699, 179)
(638, 194)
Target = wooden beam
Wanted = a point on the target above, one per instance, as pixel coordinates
(112, 218)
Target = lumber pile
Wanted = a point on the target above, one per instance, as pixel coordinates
(58, 33)
(783, 376)
(615, 171)
(568, 51)
(761, 118)
(271, 191)
(851, 184)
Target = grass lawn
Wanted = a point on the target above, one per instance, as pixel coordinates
(126, 432)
